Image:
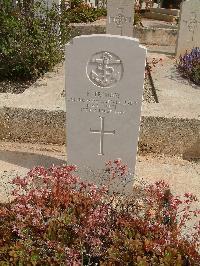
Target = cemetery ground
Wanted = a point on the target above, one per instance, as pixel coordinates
(33, 130)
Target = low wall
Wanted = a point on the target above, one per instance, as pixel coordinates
(173, 136)
(155, 36)
(30, 125)
(160, 135)
(149, 36)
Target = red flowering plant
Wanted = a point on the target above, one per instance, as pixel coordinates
(56, 218)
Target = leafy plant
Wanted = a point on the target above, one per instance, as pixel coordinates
(138, 5)
(137, 18)
(57, 219)
(138, 10)
(76, 3)
(31, 39)
(101, 12)
(79, 12)
(189, 65)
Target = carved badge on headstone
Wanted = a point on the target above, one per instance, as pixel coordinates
(120, 19)
(105, 69)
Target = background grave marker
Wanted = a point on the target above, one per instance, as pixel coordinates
(189, 27)
(120, 15)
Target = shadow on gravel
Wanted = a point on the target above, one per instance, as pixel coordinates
(175, 75)
(29, 160)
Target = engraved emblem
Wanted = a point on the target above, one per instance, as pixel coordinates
(105, 69)
(120, 19)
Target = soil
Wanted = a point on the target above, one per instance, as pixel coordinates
(17, 158)
(18, 87)
(15, 87)
(148, 93)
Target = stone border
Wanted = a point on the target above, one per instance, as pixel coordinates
(146, 35)
(162, 135)
(173, 136)
(31, 125)
(151, 36)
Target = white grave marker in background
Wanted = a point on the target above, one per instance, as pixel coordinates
(120, 16)
(104, 87)
(189, 27)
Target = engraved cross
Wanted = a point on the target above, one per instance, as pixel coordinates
(102, 132)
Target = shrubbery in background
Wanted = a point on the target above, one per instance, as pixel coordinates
(79, 12)
(189, 65)
(57, 219)
(32, 36)
(31, 39)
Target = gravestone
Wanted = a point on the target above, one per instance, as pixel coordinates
(104, 87)
(189, 27)
(120, 16)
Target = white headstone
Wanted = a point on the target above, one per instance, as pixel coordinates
(189, 27)
(120, 16)
(104, 87)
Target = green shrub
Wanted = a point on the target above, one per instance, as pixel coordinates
(76, 3)
(32, 37)
(137, 18)
(31, 40)
(79, 12)
(101, 12)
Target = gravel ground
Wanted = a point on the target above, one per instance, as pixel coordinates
(15, 87)
(147, 95)
(20, 87)
(151, 23)
(17, 158)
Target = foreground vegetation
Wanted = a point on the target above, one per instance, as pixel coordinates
(55, 218)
